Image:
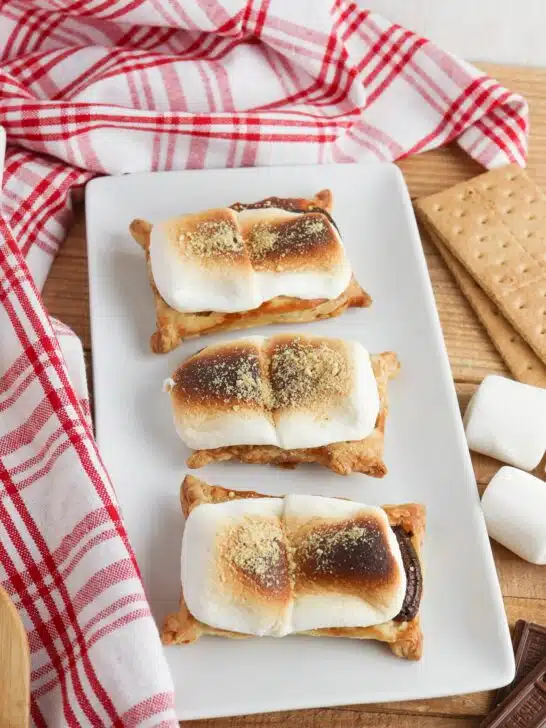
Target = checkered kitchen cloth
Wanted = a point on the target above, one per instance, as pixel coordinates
(112, 86)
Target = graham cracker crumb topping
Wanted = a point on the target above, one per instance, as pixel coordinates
(212, 238)
(255, 547)
(291, 372)
(284, 238)
(302, 372)
(233, 377)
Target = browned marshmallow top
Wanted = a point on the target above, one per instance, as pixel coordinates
(309, 372)
(349, 551)
(234, 260)
(207, 236)
(301, 243)
(253, 554)
(291, 391)
(281, 565)
(223, 377)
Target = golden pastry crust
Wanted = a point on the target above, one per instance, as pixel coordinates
(343, 458)
(405, 639)
(174, 326)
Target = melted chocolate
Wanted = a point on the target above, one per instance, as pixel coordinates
(282, 203)
(414, 576)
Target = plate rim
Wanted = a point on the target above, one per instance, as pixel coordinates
(506, 669)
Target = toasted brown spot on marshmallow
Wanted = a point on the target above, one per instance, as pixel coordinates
(296, 244)
(208, 236)
(305, 372)
(349, 557)
(230, 374)
(254, 551)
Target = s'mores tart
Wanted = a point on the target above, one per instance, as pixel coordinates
(256, 565)
(284, 400)
(273, 261)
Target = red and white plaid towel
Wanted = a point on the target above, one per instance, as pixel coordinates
(114, 86)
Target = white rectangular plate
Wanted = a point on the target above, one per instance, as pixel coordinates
(467, 646)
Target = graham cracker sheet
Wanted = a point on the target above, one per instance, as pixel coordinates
(522, 361)
(495, 227)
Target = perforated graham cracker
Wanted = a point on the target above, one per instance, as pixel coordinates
(518, 356)
(495, 225)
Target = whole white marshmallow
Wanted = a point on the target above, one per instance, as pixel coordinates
(507, 420)
(514, 506)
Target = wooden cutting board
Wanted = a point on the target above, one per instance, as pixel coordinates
(14, 667)
(472, 356)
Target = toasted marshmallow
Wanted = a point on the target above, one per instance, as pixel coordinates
(288, 391)
(272, 566)
(325, 391)
(514, 506)
(348, 563)
(220, 396)
(295, 254)
(200, 263)
(507, 420)
(228, 261)
(235, 573)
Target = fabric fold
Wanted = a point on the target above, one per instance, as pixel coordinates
(65, 559)
(129, 87)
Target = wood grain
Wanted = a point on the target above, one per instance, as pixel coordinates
(472, 356)
(335, 718)
(14, 667)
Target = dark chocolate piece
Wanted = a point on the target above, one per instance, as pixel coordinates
(525, 707)
(414, 577)
(529, 642)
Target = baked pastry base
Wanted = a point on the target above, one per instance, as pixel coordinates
(174, 326)
(361, 456)
(405, 639)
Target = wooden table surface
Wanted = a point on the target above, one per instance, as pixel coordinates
(472, 356)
